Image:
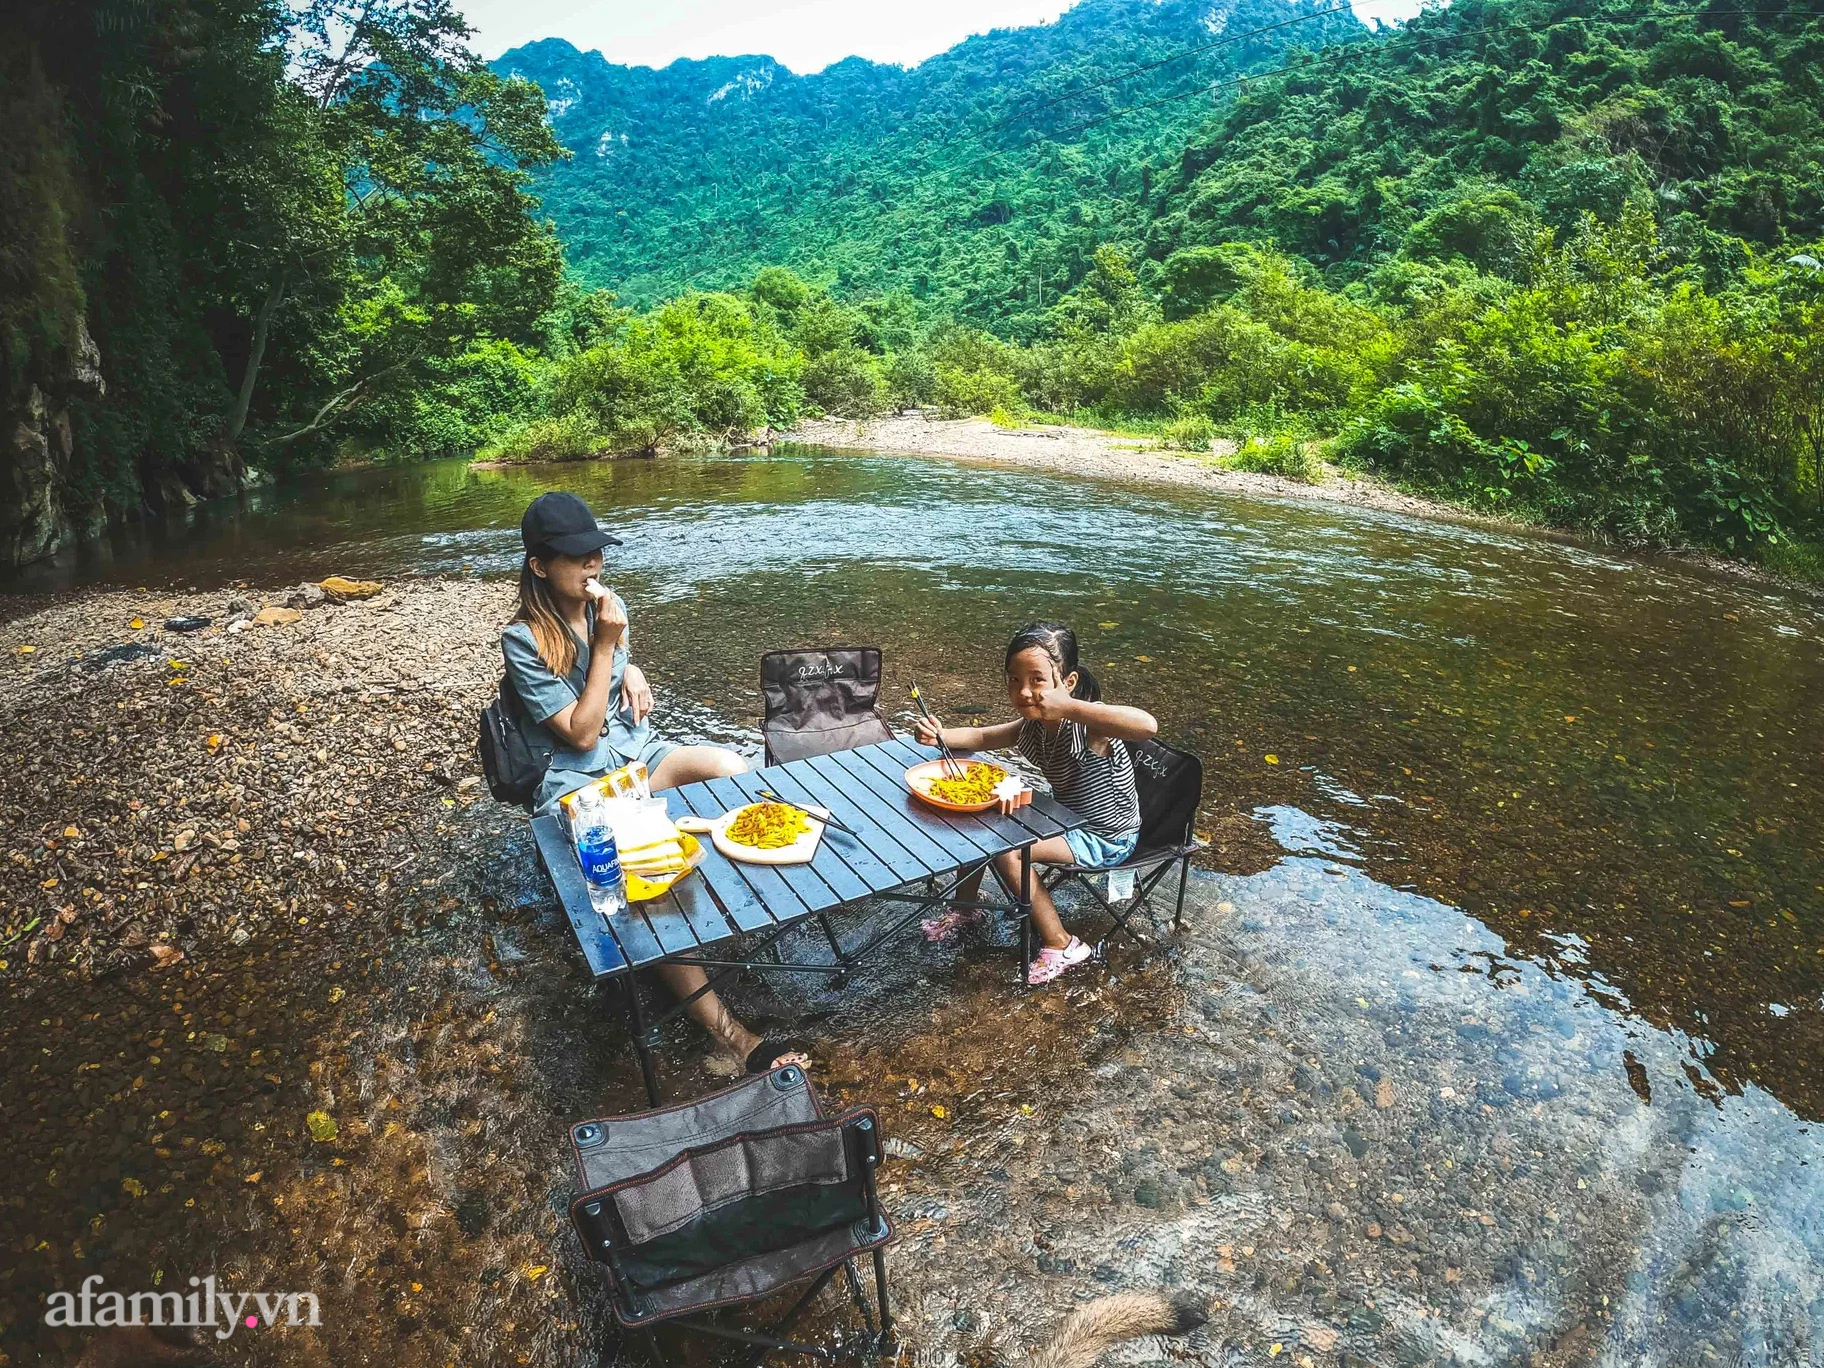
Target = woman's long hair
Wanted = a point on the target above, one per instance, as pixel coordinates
(1060, 643)
(550, 633)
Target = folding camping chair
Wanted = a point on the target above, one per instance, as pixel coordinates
(1170, 784)
(818, 701)
(726, 1200)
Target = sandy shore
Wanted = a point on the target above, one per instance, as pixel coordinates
(1084, 451)
(311, 1021)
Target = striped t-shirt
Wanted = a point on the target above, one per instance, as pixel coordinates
(1098, 788)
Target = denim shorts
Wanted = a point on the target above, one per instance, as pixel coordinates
(1092, 851)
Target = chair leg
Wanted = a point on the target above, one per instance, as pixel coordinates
(652, 1347)
(880, 1293)
(1184, 877)
(1025, 916)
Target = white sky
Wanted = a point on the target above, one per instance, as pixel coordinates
(806, 35)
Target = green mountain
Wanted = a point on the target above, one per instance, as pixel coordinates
(1710, 117)
(982, 180)
(969, 180)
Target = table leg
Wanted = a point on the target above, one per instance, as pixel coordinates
(1025, 914)
(636, 1026)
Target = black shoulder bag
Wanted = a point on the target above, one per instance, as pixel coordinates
(514, 751)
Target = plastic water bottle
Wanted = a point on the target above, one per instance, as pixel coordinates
(601, 861)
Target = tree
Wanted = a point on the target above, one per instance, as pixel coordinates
(430, 242)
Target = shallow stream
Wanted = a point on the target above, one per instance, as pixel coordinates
(1563, 808)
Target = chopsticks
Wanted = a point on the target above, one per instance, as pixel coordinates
(952, 766)
(827, 818)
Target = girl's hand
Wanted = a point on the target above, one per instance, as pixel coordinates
(1056, 705)
(636, 693)
(610, 617)
(928, 732)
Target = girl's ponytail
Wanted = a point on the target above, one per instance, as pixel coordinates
(1060, 643)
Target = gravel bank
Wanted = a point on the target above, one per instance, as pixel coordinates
(1084, 451)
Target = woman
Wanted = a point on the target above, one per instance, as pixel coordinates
(566, 652)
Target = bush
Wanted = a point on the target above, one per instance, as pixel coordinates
(846, 382)
(1193, 432)
(1281, 455)
(573, 437)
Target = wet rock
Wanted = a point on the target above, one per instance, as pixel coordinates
(343, 590)
(1148, 1193)
(122, 654)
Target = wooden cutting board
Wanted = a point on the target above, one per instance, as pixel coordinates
(801, 851)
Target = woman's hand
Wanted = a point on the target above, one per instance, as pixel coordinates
(636, 693)
(610, 618)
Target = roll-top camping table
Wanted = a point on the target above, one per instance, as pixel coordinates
(725, 913)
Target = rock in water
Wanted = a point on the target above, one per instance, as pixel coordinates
(341, 590)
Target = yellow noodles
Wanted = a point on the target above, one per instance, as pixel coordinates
(767, 826)
(976, 785)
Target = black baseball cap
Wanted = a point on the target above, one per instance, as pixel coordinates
(561, 522)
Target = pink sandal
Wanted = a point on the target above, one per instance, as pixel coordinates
(1050, 963)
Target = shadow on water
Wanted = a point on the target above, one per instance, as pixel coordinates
(1525, 831)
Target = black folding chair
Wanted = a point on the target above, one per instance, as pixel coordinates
(1170, 783)
(726, 1200)
(818, 701)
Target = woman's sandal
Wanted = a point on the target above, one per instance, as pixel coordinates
(767, 1053)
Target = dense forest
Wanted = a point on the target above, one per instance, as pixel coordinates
(238, 233)
(970, 181)
(1553, 257)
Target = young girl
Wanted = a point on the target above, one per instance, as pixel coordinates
(1073, 738)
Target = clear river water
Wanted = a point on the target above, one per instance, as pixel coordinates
(1593, 780)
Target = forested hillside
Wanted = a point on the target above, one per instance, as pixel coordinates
(1552, 257)
(968, 180)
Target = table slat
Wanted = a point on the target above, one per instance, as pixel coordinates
(891, 815)
(1006, 827)
(877, 830)
(776, 883)
(828, 863)
(961, 844)
(738, 898)
(837, 847)
(696, 902)
(607, 952)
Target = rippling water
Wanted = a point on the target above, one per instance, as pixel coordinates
(1535, 828)
(1615, 765)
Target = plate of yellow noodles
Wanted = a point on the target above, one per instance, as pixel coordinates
(767, 833)
(942, 786)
